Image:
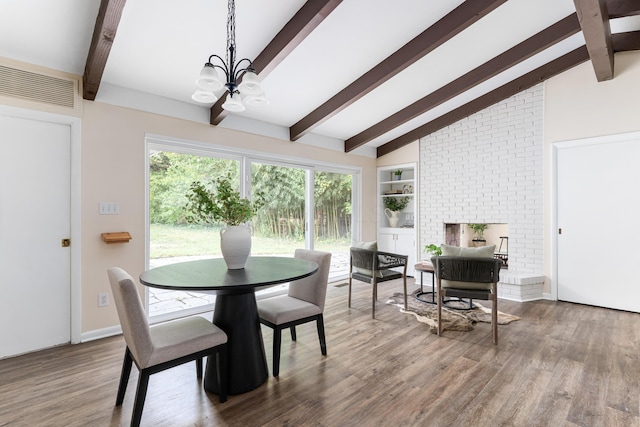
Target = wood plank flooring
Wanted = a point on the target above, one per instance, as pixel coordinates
(561, 365)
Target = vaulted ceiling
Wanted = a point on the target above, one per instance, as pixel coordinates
(363, 76)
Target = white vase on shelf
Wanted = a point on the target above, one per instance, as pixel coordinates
(392, 216)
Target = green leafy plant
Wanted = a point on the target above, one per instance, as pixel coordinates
(433, 249)
(478, 229)
(398, 172)
(396, 203)
(224, 204)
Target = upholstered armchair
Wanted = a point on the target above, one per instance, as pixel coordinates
(373, 266)
(468, 277)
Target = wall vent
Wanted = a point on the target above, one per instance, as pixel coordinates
(37, 87)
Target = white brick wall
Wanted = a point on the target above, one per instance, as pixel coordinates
(488, 168)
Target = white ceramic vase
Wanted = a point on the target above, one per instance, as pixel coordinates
(392, 216)
(235, 244)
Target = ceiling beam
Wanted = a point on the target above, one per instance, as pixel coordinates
(104, 33)
(621, 8)
(623, 42)
(524, 82)
(452, 24)
(522, 51)
(307, 19)
(594, 20)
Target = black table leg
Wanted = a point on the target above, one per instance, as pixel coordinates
(429, 297)
(237, 315)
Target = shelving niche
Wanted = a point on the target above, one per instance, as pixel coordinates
(401, 239)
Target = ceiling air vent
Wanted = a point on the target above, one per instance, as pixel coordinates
(36, 87)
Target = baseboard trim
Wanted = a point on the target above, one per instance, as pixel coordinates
(100, 333)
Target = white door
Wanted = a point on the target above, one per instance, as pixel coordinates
(598, 211)
(35, 282)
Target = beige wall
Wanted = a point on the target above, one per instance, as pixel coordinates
(113, 160)
(577, 106)
(410, 153)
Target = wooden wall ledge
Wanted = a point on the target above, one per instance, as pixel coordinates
(119, 237)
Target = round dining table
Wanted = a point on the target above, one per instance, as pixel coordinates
(235, 311)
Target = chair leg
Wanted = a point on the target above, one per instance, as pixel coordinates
(439, 295)
(323, 342)
(404, 280)
(293, 333)
(349, 291)
(199, 367)
(494, 314)
(277, 337)
(222, 372)
(375, 297)
(141, 394)
(124, 377)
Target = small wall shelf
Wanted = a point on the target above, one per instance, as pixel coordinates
(118, 237)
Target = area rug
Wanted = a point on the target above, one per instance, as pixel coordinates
(453, 320)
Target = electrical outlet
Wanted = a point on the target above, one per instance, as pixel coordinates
(103, 300)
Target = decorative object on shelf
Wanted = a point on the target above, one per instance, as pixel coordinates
(478, 230)
(407, 189)
(392, 206)
(433, 249)
(398, 174)
(225, 205)
(392, 216)
(236, 79)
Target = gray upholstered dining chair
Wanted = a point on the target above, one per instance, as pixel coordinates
(373, 266)
(468, 277)
(303, 303)
(163, 346)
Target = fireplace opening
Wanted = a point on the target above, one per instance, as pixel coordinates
(480, 234)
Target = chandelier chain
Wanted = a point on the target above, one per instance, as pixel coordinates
(231, 29)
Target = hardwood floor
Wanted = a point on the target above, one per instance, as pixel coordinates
(561, 365)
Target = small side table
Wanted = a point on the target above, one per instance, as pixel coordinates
(429, 297)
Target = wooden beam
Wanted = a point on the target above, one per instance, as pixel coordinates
(621, 8)
(452, 24)
(307, 19)
(104, 33)
(537, 43)
(524, 82)
(623, 42)
(594, 20)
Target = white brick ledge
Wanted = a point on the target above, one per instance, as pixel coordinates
(521, 287)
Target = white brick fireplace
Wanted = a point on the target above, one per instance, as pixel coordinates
(488, 168)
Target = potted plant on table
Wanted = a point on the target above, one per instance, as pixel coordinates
(478, 230)
(224, 204)
(392, 205)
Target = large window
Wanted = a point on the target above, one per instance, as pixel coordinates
(308, 206)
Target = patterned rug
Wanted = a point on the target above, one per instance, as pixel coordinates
(453, 320)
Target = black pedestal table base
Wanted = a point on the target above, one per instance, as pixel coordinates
(237, 315)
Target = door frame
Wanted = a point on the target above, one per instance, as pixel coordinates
(74, 124)
(555, 148)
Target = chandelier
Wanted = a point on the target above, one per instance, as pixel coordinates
(211, 78)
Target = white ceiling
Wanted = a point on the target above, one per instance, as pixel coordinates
(161, 46)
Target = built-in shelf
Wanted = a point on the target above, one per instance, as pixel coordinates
(402, 238)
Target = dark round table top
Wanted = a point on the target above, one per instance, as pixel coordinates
(212, 275)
